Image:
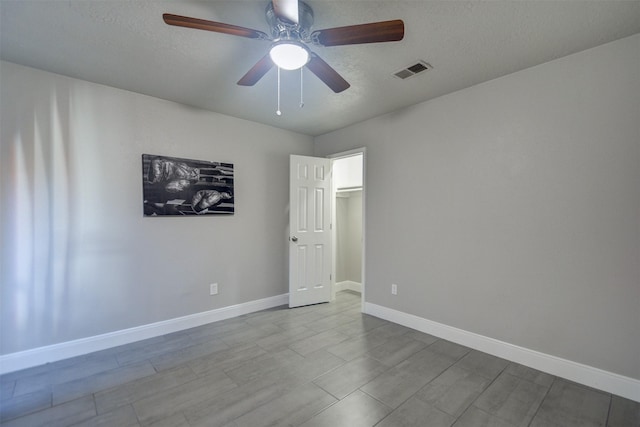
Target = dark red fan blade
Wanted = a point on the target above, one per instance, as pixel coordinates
(374, 32)
(286, 10)
(257, 71)
(218, 27)
(327, 74)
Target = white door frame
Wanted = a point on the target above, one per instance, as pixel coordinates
(336, 156)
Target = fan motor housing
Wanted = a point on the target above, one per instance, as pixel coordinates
(281, 29)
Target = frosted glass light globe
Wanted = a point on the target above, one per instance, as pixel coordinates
(289, 55)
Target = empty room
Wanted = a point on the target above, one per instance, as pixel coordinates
(320, 213)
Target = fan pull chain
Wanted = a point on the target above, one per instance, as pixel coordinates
(301, 86)
(278, 112)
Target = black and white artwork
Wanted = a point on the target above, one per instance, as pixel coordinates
(174, 186)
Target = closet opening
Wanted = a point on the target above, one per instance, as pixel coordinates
(348, 221)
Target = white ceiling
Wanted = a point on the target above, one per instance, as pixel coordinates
(125, 44)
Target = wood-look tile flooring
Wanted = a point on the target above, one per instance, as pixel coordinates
(323, 365)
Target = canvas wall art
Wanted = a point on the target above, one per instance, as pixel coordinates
(182, 187)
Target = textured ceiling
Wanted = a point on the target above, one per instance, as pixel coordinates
(125, 44)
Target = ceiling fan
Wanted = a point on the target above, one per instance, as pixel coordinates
(290, 22)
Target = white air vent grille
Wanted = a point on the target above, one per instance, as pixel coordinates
(412, 70)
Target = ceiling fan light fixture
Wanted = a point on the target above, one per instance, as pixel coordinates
(289, 55)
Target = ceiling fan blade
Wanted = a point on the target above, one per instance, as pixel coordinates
(327, 74)
(374, 32)
(286, 10)
(218, 27)
(257, 71)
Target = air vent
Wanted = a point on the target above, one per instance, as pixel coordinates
(412, 70)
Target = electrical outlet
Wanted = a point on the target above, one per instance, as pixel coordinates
(394, 289)
(213, 289)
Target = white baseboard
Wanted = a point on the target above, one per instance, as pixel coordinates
(593, 377)
(52, 353)
(348, 285)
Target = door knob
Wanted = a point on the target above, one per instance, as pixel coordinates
(294, 239)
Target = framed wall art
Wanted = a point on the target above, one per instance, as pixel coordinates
(172, 186)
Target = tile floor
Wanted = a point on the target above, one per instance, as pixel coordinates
(324, 365)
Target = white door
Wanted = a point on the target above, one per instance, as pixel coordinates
(309, 230)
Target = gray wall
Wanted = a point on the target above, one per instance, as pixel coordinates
(77, 257)
(511, 209)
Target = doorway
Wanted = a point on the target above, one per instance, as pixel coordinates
(348, 219)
